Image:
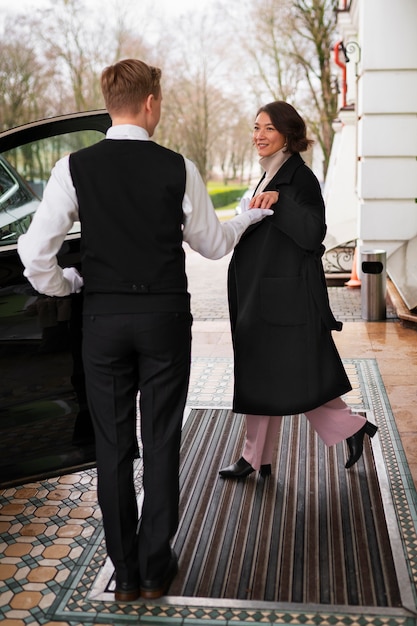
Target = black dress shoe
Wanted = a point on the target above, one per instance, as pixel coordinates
(265, 470)
(240, 469)
(355, 443)
(126, 591)
(151, 589)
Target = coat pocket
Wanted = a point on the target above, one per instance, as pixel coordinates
(283, 301)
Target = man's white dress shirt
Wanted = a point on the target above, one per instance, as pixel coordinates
(58, 211)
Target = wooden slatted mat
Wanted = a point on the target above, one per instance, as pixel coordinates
(312, 533)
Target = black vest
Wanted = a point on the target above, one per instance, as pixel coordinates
(130, 195)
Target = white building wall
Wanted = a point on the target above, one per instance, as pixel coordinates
(340, 188)
(384, 78)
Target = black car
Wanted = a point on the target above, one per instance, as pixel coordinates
(45, 426)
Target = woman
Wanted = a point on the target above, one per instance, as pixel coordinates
(285, 358)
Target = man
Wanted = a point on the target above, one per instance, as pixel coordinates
(136, 202)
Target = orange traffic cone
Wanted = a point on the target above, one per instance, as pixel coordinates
(354, 278)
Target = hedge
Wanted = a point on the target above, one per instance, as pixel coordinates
(225, 196)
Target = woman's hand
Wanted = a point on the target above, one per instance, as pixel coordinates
(264, 200)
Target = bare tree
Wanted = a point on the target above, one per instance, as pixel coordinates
(77, 43)
(188, 121)
(234, 153)
(72, 47)
(126, 39)
(274, 74)
(211, 86)
(290, 45)
(23, 78)
(315, 25)
(196, 111)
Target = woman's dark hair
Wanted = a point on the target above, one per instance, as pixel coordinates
(289, 123)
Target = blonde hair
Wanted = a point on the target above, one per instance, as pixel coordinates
(126, 85)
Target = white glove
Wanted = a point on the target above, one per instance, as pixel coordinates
(74, 278)
(244, 204)
(256, 215)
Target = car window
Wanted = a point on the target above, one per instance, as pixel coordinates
(24, 172)
(8, 184)
(17, 201)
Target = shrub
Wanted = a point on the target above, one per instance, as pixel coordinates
(223, 196)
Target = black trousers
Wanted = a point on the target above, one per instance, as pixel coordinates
(124, 354)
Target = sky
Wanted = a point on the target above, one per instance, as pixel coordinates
(174, 7)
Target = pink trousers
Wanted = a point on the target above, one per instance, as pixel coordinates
(333, 422)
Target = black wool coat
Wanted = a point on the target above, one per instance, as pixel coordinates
(285, 358)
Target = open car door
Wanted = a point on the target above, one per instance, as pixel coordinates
(45, 426)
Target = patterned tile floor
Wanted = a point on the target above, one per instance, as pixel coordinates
(46, 527)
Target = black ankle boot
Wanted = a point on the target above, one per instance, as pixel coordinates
(355, 443)
(240, 469)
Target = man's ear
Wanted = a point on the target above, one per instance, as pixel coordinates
(149, 102)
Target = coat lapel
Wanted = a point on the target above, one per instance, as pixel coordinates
(285, 173)
(283, 176)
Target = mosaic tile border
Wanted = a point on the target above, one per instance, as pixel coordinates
(75, 604)
(392, 460)
(211, 383)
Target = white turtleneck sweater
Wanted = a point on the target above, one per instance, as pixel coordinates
(271, 165)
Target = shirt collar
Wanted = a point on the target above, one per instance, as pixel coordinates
(127, 131)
